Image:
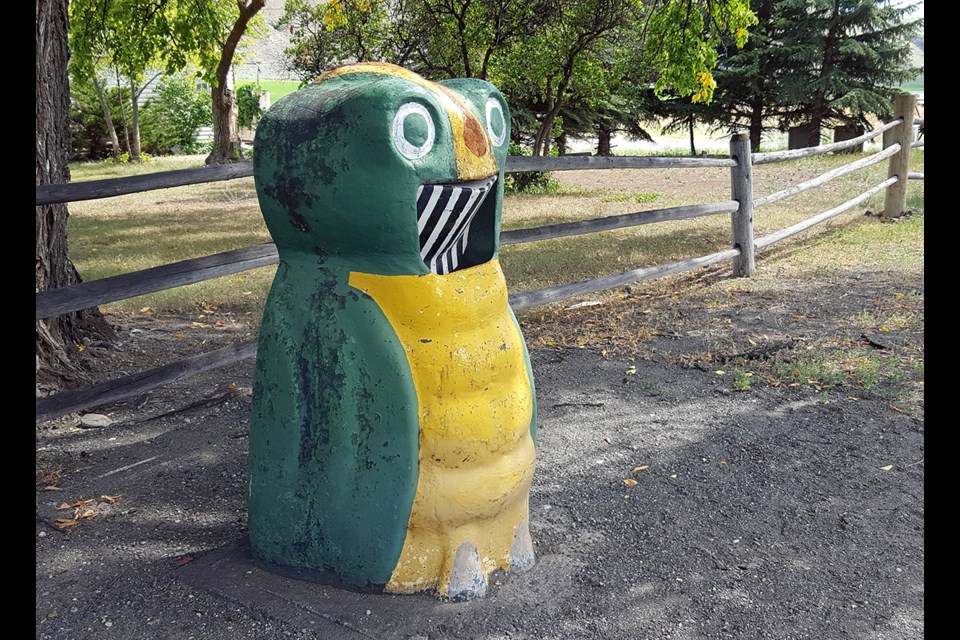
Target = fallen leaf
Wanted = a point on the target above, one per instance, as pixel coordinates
(632, 371)
(178, 334)
(199, 324)
(886, 468)
(629, 482)
(52, 488)
(110, 499)
(184, 560)
(86, 515)
(896, 408)
(607, 440)
(80, 347)
(61, 523)
(642, 468)
(219, 323)
(246, 293)
(719, 372)
(232, 385)
(646, 312)
(674, 476)
(723, 462)
(146, 310)
(63, 506)
(885, 329)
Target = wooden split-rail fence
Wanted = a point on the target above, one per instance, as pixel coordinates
(897, 142)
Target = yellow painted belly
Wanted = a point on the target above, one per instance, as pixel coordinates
(475, 404)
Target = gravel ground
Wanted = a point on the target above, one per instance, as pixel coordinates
(665, 504)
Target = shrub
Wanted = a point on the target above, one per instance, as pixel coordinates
(171, 117)
(529, 181)
(248, 105)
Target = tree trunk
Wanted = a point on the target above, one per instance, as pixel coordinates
(226, 134)
(693, 147)
(818, 109)
(604, 137)
(123, 112)
(561, 142)
(108, 119)
(58, 360)
(134, 122)
(756, 123)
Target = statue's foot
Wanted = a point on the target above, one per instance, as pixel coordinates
(521, 551)
(467, 580)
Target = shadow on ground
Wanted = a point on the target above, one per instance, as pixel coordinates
(766, 513)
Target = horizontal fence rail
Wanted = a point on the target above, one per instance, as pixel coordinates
(823, 178)
(793, 154)
(564, 229)
(55, 302)
(134, 384)
(562, 292)
(84, 295)
(94, 189)
(517, 164)
(110, 187)
(776, 236)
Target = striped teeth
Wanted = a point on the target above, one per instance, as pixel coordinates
(444, 215)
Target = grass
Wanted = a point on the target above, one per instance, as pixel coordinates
(142, 230)
(137, 231)
(279, 88)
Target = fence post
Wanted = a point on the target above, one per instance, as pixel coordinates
(741, 190)
(896, 200)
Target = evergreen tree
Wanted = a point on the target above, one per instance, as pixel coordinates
(816, 62)
(843, 59)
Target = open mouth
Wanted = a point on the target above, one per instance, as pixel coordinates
(444, 215)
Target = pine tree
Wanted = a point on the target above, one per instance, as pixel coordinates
(843, 59)
(810, 62)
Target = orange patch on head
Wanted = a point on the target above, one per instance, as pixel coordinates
(474, 135)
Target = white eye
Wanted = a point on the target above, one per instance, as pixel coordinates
(413, 131)
(496, 122)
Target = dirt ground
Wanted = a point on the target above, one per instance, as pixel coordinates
(676, 496)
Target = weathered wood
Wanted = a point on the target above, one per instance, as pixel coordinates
(741, 220)
(826, 215)
(918, 143)
(128, 285)
(572, 163)
(536, 298)
(54, 302)
(895, 202)
(823, 178)
(918, 121)
(564, 229)
(94, 189)
(780, 156)
(136, 383)
(914, 176)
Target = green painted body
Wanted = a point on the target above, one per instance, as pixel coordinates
(333, 462)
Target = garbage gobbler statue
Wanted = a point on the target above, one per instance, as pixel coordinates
(393, 419)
